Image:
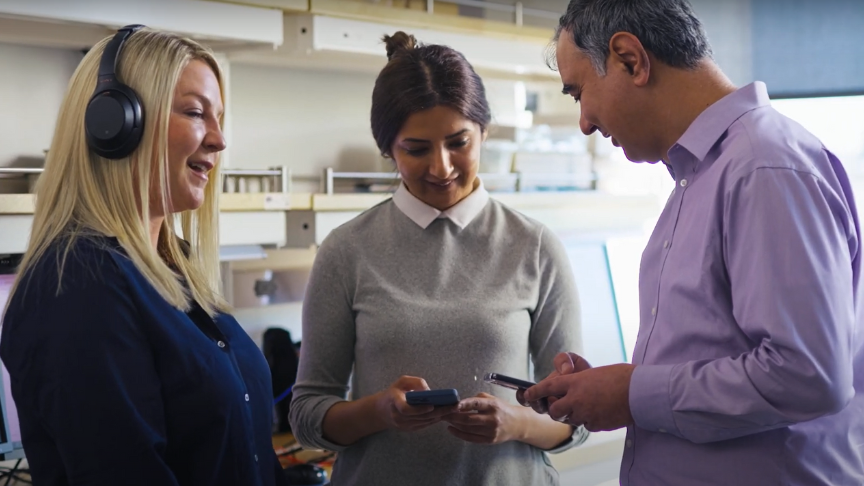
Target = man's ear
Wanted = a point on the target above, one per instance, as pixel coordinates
(484, 135)
(628, 54)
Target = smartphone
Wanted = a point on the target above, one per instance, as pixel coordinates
(515, 384)
(508, 381)
(437, 398)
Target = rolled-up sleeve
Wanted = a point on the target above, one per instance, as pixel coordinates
(328, 347)
(789, 241)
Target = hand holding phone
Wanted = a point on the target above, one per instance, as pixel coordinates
(516, 384)
(393, 407)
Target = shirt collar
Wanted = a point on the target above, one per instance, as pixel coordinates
(462, 213)
(712, 123)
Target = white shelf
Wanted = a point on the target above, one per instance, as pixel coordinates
(234, 202)
(80, 23)
(279, 219)
(352, 42)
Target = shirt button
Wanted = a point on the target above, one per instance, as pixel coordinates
(662, 431)
(247, 397)
(666, 244)
(256, 457)
(683, 182)
(653, 311)
(628, 443)
(220, 344)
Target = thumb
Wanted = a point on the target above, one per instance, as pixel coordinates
(579, 363)
(485, 395)
(567, 363)
(409, 383)
(564, 364)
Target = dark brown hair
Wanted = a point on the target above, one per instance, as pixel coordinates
(418, 77)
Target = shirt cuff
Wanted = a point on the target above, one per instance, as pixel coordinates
(579, 436)
(309, 432)
(650, 403)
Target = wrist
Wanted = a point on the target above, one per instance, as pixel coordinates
(524, 418)
(542, 432)
(380, 410)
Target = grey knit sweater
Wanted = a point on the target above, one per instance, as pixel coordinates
(389, 298)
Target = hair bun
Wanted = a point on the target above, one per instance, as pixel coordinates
(400, 41)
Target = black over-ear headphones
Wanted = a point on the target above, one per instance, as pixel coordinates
(114, 120)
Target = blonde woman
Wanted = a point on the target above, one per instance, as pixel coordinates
(125, 367)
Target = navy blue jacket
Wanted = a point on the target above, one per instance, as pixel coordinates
(115, 386)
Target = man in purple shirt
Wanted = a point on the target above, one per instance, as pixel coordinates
(749, 364)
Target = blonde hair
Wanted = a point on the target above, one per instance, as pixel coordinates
(81, 194)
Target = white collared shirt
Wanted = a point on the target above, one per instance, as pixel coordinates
(462, 213)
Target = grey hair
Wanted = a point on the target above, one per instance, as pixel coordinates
(667, 28)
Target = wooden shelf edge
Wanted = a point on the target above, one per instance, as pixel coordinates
(229, 202)
(270, 201)
(347, 202)
(356, 10)
(246, 202)
(284, 5)
(17, 203)
(420, 19)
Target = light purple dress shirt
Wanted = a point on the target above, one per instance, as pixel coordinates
(750, 356)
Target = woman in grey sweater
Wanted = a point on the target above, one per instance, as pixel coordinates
(433, 288)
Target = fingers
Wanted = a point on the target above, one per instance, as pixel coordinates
(401, 407)
(564, 363)
(482, 403)
(520, 397)
(540, 406)
(568, 363)
(467, 419)
(421, 412)
(410, 383)
(561, 411)
(417, 422)
(553, 387)
(415, 425)
(541, 397)
(469, 437)
(579, 363)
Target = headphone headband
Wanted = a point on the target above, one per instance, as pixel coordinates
(108, 63)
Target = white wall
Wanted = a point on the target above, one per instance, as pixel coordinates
(32, 83)
(307, 120)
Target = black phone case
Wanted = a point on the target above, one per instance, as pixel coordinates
(437, 398)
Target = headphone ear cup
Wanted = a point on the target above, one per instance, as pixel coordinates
(114, 121)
